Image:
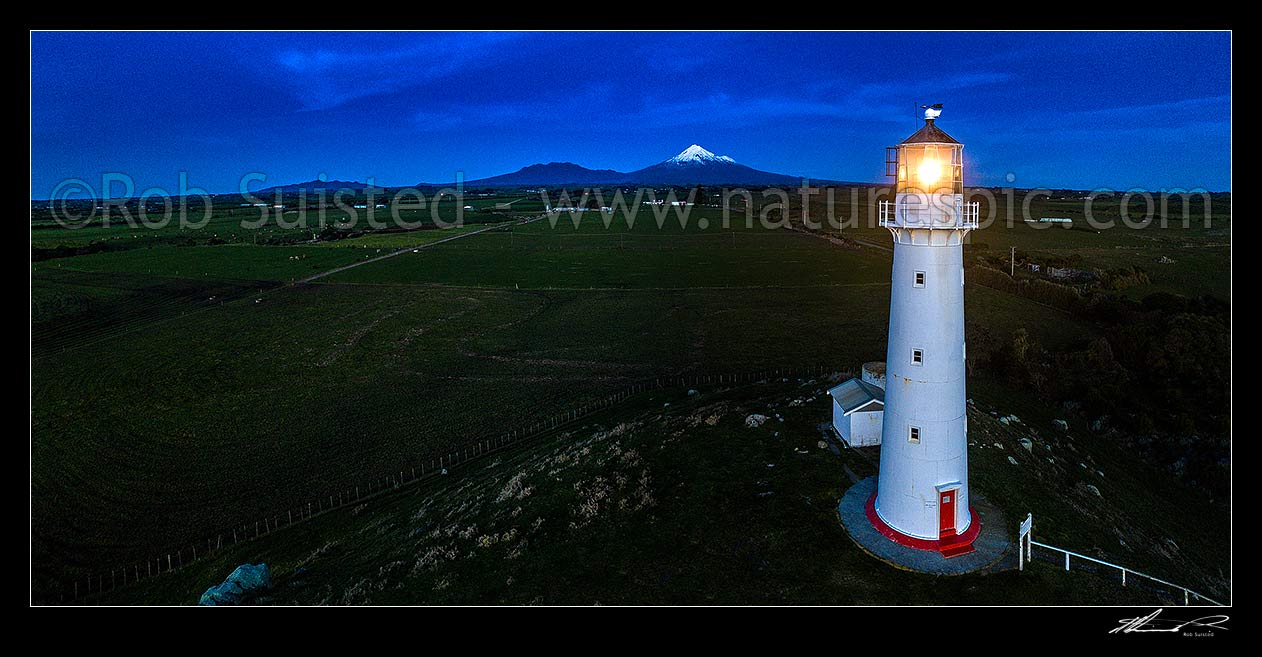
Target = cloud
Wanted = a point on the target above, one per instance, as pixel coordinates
(325, 77)
(1170, 120)
(601, 107)
(475, 116)
(1188, 108)
(834, 99)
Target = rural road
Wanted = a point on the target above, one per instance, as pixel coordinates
(412, 249)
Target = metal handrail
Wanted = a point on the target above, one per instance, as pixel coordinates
(1125, 570)
(892, 214)
(1027, 551)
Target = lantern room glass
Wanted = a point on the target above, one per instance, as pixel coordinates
(930, 169)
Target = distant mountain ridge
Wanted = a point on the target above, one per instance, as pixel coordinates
(318, 185)
(552, 173)
(694, 165)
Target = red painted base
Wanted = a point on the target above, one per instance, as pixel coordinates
(952, 547)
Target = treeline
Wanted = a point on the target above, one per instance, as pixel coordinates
(39, 254)
(1057, 295)
(1071, 297)
(1157, 378)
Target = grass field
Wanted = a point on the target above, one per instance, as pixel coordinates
(225, 262)
(401, 239)
(178, 390)
(276, 396)
(1200, 254)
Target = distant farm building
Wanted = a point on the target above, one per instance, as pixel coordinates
(859, 407)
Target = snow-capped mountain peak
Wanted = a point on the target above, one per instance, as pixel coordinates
(695, 154)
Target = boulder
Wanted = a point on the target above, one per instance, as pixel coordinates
(1012, 461)
(244, 582)
(1061, 425)
(1027, 444)
(1094, 491)
(755, 420)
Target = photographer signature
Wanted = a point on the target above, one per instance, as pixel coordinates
(1151, 623)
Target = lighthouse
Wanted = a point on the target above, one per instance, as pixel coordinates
(922, 498)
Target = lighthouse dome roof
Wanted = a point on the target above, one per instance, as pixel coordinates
(930, 134)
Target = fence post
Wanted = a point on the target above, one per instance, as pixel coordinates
(1066, 561)
(1185, 597)
(1123, 577)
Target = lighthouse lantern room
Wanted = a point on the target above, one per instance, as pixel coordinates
(922, 498)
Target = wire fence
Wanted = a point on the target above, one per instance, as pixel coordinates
(435, 465)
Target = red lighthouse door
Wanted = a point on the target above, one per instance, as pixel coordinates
(946, 514)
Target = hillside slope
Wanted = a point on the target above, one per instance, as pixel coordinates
(672, 499)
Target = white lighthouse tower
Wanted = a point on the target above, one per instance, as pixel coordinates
(922, 491)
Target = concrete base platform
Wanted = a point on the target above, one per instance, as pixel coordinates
(991, 546)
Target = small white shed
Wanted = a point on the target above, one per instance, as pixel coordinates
(858, 412)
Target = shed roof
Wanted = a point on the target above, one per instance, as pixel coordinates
(930, 134)
(854, 394)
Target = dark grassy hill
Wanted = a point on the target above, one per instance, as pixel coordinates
(672, 499)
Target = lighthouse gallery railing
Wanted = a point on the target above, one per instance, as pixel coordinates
(911, 215)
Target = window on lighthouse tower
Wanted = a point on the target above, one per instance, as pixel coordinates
(917, 357)
(919, 279)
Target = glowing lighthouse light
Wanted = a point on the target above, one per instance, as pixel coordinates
(929, 172)
(922, 498)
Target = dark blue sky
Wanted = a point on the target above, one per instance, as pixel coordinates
(1056, 109)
